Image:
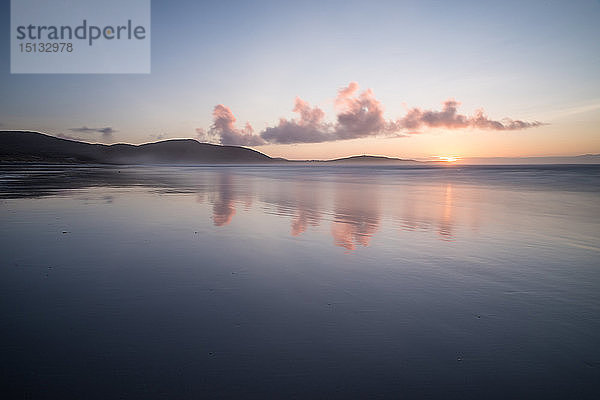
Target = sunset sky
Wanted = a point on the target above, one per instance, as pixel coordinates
(401, 79)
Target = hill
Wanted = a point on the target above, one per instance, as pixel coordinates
(30, 146)
(366, 160)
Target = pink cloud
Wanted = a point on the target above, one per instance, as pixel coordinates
(480, 120)
(361, 115)
(345, 93)
(309, 128)
(449, 118)
(358, 115)
(225, 130)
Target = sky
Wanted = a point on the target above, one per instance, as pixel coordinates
(327, 79)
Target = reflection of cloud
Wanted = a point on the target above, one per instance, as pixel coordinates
(296, 199)
(224, 206)
(304, 218)
(348, 234)
(356, 216)
(356, 212)
(223, 212)
(224, 203)
(308, 213)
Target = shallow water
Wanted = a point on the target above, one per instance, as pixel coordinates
(300, 282)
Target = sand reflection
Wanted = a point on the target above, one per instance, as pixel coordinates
(228, 193)
(429, 208)
(354, 210)
(356, 217)
(445, 224)
(224, 204)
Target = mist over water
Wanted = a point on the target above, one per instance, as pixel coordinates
(301, 281)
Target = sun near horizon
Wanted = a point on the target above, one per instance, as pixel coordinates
(449, 159)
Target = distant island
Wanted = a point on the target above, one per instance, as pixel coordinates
(36, 147)
(365, 159)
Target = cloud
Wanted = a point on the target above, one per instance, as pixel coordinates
(345, 93)
(159, 136)
(309, 128)
(106, 132)
(203, 136)
(358, 115)
(224, 129)
(449, 118)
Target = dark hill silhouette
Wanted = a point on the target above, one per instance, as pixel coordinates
(38, 147)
